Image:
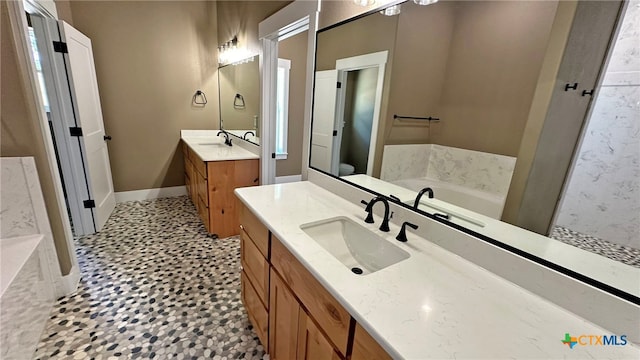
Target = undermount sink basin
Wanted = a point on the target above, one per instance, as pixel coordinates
(354, 245)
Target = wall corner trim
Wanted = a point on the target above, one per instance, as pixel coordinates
(149, 194)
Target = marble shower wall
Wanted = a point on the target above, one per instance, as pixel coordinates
(405, 161)
(472, 169)
(476, 170)
(602, 198)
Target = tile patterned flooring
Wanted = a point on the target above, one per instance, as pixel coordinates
(154, 285)
(624, 254)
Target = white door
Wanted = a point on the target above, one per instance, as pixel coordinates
(86, 103)
(324, 110)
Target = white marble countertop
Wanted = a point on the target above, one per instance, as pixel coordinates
(210, 147)
(434, 304)
(601, 268)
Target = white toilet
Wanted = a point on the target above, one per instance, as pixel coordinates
(346, 169)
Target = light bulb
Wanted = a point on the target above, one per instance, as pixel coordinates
(425, 2)
(391, 10)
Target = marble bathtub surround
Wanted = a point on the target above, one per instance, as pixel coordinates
(412, 309)
(602, 199)
(476, 170)
(27, 295)
(31, 276)
(210, 147)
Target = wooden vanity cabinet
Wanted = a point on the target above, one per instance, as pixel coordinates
(292, 332)
(210, 186)
(366, 348)
(295, 317)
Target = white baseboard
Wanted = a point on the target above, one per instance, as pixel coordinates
(149, 194)
(288, 179)
(69, 283)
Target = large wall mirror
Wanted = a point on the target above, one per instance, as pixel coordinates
(440, 96)
(239, 89)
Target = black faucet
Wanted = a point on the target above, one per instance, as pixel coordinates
(402, 235)
(244, 137)
(227, 140)
(369, 209)
(425, 190)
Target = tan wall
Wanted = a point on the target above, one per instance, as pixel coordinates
(63, 7)
(419, 68)
(540, 104)
(241, 19)
(243, 79)
(495, 57)
(20, 134)
(150, 59)
(294, 49)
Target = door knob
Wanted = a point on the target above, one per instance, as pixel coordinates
(107, 137)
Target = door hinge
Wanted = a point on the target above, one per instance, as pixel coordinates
(273, 155)
(335, 132)
(75, 131)
(61, 47)
(339, 85)
(89, 204)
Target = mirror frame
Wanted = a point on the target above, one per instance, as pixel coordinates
(551, 265)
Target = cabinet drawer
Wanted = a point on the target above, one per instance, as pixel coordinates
(258, 315)
(366, 348)
(199, 165)
(255, 229)
(201, 188)
(256, 267)
(332, 318)
(203, 211)
(185, 151)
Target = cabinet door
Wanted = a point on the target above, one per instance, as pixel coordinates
(283, 320)
(255, 310)
(366, 348)
(223, 220)
(312, 344)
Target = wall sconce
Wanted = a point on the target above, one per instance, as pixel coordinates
(231, 53)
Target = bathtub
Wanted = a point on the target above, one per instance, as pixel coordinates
(484, 203)
(26, 295)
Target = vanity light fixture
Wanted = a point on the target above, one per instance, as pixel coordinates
(391, 10)
(364, 2)
(231, 53)
(425, 2)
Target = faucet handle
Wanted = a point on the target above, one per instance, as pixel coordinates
(369, 210)
(402, 235)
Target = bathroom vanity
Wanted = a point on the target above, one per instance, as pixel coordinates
(303, 297)
(212, 171)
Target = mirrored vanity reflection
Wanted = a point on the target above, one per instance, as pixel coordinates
(444, 97)
(239, 89)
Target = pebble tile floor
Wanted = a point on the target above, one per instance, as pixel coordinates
(624, 254)
(154, 285)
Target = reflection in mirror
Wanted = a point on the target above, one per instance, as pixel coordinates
(447, 107)
(239, 88)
